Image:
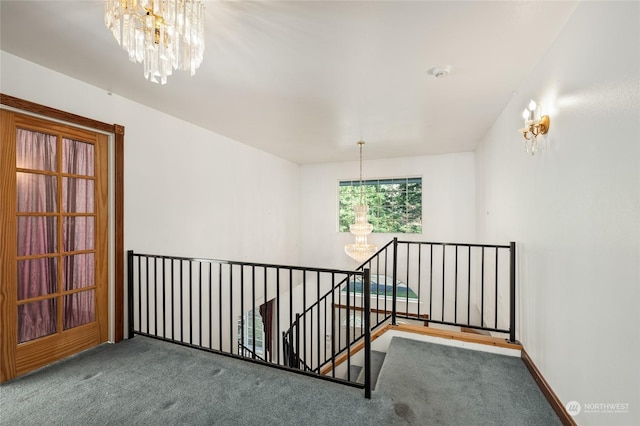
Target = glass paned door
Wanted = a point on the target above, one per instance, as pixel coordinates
(50, 237)
(55, 201)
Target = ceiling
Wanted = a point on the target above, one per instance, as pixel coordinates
(305, 80)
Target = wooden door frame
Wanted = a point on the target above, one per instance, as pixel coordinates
(118, 132)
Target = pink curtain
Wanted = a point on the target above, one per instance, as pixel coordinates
(78, 232)
(36, 151)
(37, 235)
(79, 309)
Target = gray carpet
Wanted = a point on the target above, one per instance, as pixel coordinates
(456, 386)
(145, 381)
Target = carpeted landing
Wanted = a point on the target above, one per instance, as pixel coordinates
(434, 384)
(145, 381)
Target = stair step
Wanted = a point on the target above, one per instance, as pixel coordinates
(377, 359)
(354, 372)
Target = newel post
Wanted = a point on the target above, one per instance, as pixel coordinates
(512, 292)
(395, 280)
(367, 333)
(130, 293)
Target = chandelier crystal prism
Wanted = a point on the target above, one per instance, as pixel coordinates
(361, 250)
(163, 35)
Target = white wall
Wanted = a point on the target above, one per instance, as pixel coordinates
(188, 191)
(575, 210)
(448, 203)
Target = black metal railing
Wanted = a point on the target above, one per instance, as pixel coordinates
(462, 285)
(348, 326)
(348, 303)
(247, 352)
(319, 320)
(457, 284)
(240, 309)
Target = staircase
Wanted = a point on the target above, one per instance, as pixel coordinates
(377, 359)
(324, 322)
(484, 267)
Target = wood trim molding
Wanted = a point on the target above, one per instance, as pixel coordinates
(57, 114)
(428, 331)
(8, 244)
(119, 234)
(456, 335)
(548, 393)
(118, 132)
(354, 349)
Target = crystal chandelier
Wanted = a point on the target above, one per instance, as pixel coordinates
(163, 35)
(361, 250)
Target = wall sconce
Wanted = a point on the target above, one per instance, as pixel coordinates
(535, 124)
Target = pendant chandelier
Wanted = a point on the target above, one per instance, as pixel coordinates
(361, 250)
(163, 35)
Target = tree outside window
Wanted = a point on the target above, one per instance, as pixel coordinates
(395, 205)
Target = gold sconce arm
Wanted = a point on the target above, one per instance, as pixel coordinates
(537, 128)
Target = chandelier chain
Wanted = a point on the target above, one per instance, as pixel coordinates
(360, 144)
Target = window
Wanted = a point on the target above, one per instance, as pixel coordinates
(246, 331)
(381, 285)
(395, 205)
